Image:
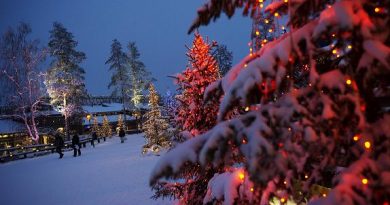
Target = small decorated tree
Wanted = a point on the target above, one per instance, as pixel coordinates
(120, 123)
(95, 125)
(106, 127)
(155, 126)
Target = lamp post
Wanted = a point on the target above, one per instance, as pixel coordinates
(89, 120)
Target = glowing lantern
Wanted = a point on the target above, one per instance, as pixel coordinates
(367, 144)
(241, 176)
(365, 181)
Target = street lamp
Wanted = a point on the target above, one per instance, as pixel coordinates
(89, 120)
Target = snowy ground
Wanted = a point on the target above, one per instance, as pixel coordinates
(111, 173)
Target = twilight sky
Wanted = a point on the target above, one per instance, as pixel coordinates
(158, 27)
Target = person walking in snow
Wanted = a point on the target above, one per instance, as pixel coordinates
(59, 144)
(76, 141)
(122, 134)
(94, 137)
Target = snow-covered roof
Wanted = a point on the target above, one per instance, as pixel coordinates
(111, 118)
(10, 126)
(112, 107)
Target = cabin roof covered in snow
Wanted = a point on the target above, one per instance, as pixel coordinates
(112, 107)
(10, 126)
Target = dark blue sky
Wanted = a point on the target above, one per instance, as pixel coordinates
(158, 27)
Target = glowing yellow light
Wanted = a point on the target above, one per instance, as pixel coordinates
(270, 30)
(246, 109)
(282, 200)
(241, 176)
(349, 46)
(265, 40)
(377, 9)
(334, 51)
(261, 1)
(285, 1)
(250, 54)
(276, 14)
(306, 176)
(348, 81)
(333, 35)
(252, 189)
(356, 138)
(266, 21)
(261, 5)
(338, 56)
(367, 144)
(283, 28)
(285, 182)
(250, 49)
(257, 33)
(245, 65)
(323, 195)
(364, 181)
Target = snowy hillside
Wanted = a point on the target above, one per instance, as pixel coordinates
(111, 173)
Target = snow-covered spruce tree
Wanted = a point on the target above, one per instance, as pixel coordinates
(106, 127)
(120, 79)
(332, 133)
(139, 76)
(193, 117)
(224, 59)
(155, 126)
(65, 78)
(20, 60)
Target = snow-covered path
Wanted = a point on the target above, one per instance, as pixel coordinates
(111, 173)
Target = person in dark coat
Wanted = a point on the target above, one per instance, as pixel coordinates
(59, 144)
(122, 134)
(76, 142)
(94, 137)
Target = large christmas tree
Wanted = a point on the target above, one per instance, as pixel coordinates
(155, 126)
(324, 142)
(193, 117)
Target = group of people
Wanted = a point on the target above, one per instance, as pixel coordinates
(59, 142)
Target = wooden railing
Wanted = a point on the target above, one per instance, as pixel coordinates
(22, 152)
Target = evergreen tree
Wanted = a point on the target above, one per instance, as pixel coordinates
(106, 127)
(155, 126)
(325, 142)
(65, 78)
(192, 114)
(139, 77)
(120, 123)
(120, 79)
(95, 126)
(224, 59)
(193, 118)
